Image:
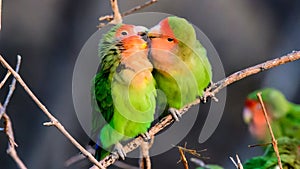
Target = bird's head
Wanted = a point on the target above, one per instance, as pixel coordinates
(130, 38)
(170, 32)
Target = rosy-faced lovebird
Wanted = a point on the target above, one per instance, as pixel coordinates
(181, 67)
(284, 116)
(289, 152)
(124, 89)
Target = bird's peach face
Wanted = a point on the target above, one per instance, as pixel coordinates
(131, 39)
(133, 45)
(254, 117)
(162, 36)
(164, 46)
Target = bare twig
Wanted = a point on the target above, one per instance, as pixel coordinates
(110, 18)
(145, 161)
(259, 145)
(182, 156)
(53, 120)
(11, 88)
(274, 141)
(11, 150)
(140, 7)
(295, 55)
(117, 15)
(5, 79)
(192, 151)
(238, 163)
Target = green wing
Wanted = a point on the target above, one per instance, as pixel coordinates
(290, 123)
(102, 102)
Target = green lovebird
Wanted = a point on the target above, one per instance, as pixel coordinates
(289, 153)
(123, 90)
(284, 116)
(181, 67)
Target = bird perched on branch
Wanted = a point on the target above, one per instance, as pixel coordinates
(123, 90)
(181, 67)
(289, 153)
(284, 116)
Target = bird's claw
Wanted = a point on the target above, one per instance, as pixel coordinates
(175, 113)
(210, 93)
(119, 151)
(146, 136)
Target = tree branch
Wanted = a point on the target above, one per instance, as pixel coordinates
(238, 163)
(145, 161)
(110, 18)
(11, 88)
(5, 79)
(274, 141)
(53, 120)
(11, 150)
(211, 93)
(117, 16)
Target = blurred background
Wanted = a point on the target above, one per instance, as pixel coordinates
(49, 35)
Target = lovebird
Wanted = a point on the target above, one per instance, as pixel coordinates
(284, 116)
(181, 68)
(123, 90)
(289, 153)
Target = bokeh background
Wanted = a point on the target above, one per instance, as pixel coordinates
(50, 33)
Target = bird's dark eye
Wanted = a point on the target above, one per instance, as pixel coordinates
(142, 33)
(170, 39)
(124, 33)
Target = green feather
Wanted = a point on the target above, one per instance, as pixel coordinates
(117, 117)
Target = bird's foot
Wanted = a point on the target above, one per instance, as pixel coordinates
(119, 151)
(175, 113)
(146, 136)
(210, 92)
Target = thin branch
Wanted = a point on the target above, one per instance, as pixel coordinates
(11, 88)
(53, 120)
(5, 78)
(192, 151)
(259, 145)
(110, 18)
(117, 15)
(140, 7)
(182, 156)
(274, 141)
(11, 150)
(145, 161)
(295, 55)
(238, 163)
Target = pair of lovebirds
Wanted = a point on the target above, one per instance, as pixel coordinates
(142, 69)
